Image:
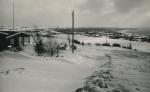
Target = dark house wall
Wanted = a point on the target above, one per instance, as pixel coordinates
(3, 42)
(13, 41)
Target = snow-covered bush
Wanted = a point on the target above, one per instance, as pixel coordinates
(128, 47)
(51, 47)
(62, 46)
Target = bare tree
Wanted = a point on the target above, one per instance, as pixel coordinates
(39, 47)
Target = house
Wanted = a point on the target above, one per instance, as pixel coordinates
(13, 38)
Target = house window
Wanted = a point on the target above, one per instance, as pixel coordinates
(26, 40)
(20, 41)
(12, 41)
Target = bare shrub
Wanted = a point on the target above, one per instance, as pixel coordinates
(39, 48)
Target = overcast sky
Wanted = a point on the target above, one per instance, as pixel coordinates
(88, 13)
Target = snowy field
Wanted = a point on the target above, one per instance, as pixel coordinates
(142, 46)
(25, 72)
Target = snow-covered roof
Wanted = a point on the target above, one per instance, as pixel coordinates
(4, 33)
(17, 34)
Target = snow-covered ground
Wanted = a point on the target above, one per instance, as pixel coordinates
(25, 72)
(142, 46)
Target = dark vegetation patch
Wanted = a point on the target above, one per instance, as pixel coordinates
(116, 45)
(106, 44)
(98, 44)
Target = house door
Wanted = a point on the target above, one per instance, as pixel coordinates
(21, 41)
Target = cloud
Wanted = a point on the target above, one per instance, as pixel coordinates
(92, 5)
(88, 13)
(125, 6)
(35, 12)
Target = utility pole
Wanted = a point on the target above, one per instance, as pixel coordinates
(13, 15)
(72, 31)
(106, 38)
